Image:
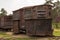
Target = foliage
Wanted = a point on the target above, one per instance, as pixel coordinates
(55, 8)
(55, 11)
(3, 12)
(49, 2)
(56, 25)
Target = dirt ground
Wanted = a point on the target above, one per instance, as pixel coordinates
(32, 38)
(17, 35)
(36, 38)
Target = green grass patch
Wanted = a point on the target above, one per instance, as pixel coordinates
(4, 35)
(56, 32)
(25, 38)
(56, 29)
(20, 39)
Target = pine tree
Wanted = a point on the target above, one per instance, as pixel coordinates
(3, 12)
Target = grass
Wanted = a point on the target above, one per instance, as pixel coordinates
(4, 35)
(19, 39)
(56, 32)
(30, 38)
(56, 29)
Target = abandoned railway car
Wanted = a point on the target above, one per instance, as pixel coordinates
(6, 23)
(34, 20)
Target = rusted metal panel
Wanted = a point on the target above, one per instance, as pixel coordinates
(38, 26)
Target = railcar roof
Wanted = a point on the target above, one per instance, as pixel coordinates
(32, 6)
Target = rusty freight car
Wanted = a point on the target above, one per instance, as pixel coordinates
(39, 23)
(6, 23)
(32, 18)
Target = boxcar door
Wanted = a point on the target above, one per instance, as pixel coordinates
(30, 27)
(43, 26)
(40, 27)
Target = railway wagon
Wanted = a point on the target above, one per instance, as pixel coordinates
(38, 20)
(6, 23)
(36, 13)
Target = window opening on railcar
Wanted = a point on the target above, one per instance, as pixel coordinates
(27, 13)
(41, 14)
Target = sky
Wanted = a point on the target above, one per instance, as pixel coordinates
(11, 5)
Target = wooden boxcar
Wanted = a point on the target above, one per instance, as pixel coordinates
(30, 15)
(38, 20)
(6, 23)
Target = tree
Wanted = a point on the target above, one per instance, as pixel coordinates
(3, 12)
(57, 6)
(54, 13)
(49, 2)
(55, 10)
